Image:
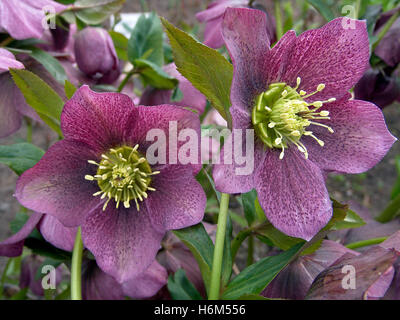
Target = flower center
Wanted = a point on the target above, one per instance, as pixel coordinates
(281, 116)
(123, 174)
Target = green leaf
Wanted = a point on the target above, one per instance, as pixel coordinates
(20, 156)
(146, 41)
(204, 67)
(120, 44)
(40, 96)
(350, 220)
(201, 246)
(51, 64)
(256, 277)
(181, 288)
(153, 75)
(69, 89)
(323, 8)
(20, 295)
(94, 12)
(248, 201)
(396, 188)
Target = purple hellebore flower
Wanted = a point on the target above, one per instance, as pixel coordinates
(99, 178)
(23, 19)
(95, 54)
(378, 88)
(296, 279)
(213, 17)
(8, 61)
(295, 96)
(192, 98)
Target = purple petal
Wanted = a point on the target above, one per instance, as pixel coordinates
(333, 55)
(379, 287)
(22, 19)
(146, 284)
(97, 119)
(248, 46)
(212, 33)
(393, 242)
(12, 247)
(369, 267)
(226, 174)
(179, 200)
(53, 231)
(295, 280)
(360, 139)
(388, 48)
(165, 118)
(57, 185)
(293, 195)
(123, 241)
(98, 285)
(7, 61)
(11, 119)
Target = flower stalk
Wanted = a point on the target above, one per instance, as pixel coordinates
(219, 248)
(385, 29)
(278, 18)
(76, 268)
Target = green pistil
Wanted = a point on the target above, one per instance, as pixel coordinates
(281, 116)
(123, 175)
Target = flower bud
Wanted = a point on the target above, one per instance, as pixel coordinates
(95, 54)
(60, 35)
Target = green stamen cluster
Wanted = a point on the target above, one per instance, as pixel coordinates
(281, 116)
(124, 175)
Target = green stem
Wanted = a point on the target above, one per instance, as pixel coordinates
(219, 248)
(76, 268)
(365, 243)
(385, 29)
(4, 275)
(236, 243)
(278, 18)
(358, 7)
(390, 211)
(125, 81)
(250, 251)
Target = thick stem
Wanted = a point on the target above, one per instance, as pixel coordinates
(28, 130)
(236, 243)
(219, 248)
(250, 250)
(278, 19)
(365, 243)
(385, 29)
(125, 80)
(76, 268)
(390, 211)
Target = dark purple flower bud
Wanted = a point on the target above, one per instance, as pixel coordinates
(29, 268)
(378, 88)
(96, 56)
(60, 35)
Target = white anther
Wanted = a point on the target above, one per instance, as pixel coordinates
(278, 141)
(271, 124)
(284, 93)
(295, 133)
(321, 87)
(88, 177)
(324, 113)
(318, 104)
(303, 93)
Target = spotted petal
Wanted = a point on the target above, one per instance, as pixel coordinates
(293, 195)
(56, 185)
(123, 241)
(360, 139)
